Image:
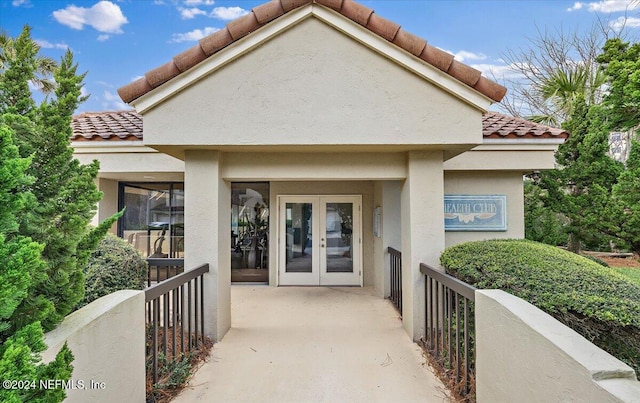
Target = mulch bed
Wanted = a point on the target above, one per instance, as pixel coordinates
(197, 358)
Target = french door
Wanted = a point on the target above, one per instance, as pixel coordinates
(320, 240)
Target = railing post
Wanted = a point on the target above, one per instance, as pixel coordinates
(171, 292)
(443, 312)
(395, 264)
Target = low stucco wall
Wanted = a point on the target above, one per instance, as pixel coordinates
(107, 339)
(525, 355)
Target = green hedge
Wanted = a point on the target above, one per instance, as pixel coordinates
(596, 301)
(115, 265)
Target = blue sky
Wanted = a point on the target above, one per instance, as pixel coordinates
(118, 41)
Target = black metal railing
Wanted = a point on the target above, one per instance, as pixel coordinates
(161, 269)
(450, 329)
(175, 307)
(395, 263)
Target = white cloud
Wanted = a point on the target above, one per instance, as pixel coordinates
(576, 6)
(607, 6)
(463, 55)
(103, 37)
(194, 35)
(189, 13)
(199, 2)
(228, 13)
(45, 44)
(498, 71)
(84, 92)
(104, 16)
(18, 3)
(111, 101)
(625, 22)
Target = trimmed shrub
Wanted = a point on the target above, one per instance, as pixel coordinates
(595, 301)
(115, 265)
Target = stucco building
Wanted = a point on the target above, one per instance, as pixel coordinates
(297, 144)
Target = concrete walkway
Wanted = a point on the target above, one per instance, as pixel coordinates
(313, 344)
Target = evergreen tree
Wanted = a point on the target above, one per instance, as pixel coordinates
(622, 104)
(581, 186)
(623, 210)
(65, 191)
(22, 264)
(622, 65)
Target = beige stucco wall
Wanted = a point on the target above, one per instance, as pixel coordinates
(387, 197)
(319, 188)
(488, 183)
(312, 85)
(108, 206)
(267, 166)
(422, 215)
(525, 355)
(510, 157)
(207, 220)
(106, 338)
(137, 160)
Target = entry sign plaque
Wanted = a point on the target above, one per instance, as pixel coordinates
(475, 213)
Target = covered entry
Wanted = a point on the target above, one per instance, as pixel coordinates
(320, 240)
(317, 98)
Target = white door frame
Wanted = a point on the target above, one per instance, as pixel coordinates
(319, 274)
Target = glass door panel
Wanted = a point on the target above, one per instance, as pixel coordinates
(339, 237)
(299, 238)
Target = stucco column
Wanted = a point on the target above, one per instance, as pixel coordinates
(422, 200)
(392, 226)
(108, 205)
(207, 228)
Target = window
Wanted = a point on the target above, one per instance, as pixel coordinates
(153, 220)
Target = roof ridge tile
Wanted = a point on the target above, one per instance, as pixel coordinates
(189, 58)
(268, 11)
(356, 12)
(243, 26)
(410, 42)
(334, 4)
(383, 27)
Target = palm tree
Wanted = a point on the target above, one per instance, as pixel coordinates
(564, 86)
(44, 66)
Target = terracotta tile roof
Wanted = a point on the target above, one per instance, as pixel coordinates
(127, 125)
(498, 126)
(267, 12)
(101, 126)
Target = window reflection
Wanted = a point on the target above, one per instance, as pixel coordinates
(153, 220)
(250, 232)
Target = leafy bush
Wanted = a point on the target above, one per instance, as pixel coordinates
(597, 260)
(114, 265)
(595, 301)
